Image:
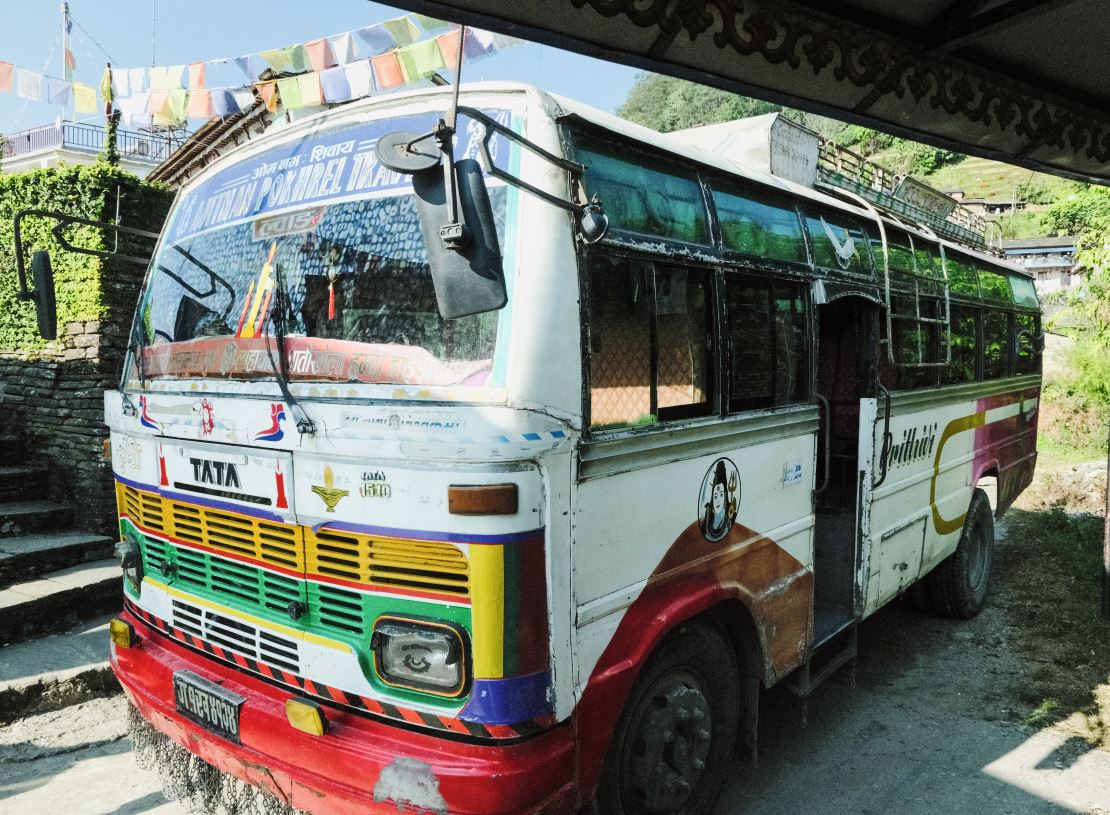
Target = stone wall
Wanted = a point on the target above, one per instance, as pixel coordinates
(55, 402)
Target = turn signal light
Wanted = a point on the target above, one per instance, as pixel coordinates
(482, 499)
(122, 633)
(306, 716)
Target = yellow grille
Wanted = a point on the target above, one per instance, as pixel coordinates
(424, 565)
(388, 563)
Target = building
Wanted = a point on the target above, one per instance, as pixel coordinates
(1050, 260)
(81, 143)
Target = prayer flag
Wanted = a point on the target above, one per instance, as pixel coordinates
(358, 78)
(244, 64)
(84, 98)
(28, 84)
(504, 41)
(222, 102)
(298, 58)
(377, 39)
(419, 60)
(343, 48)
(319, 54)
(403, 30)
(57, 91)
(134, 109)
(279, 59)
(387, 70)
(6, 76)
(430, 24)
(200, 104)
(71, 64)
(178, 104)
(196, 76)
(449, 48)
(106, 88)
(290, 92)
(156, 100)
(121, 85)
(159, 78)
(175, 76)
(310, 89)
(244, 98)
(136, 77)
(484, 40)
(268, 92)
(333, 83)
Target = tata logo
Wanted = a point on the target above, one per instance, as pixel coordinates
(220, 473)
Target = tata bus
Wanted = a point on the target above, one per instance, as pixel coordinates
(495, 459)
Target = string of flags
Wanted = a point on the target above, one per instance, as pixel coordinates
(338, 68)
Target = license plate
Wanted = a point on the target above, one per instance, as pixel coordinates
(206, 703)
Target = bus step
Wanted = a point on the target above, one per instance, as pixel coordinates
(839, 651)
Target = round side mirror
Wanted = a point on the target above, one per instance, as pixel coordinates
(398, 152)
(592, 222)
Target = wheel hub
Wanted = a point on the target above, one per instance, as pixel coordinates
(670, 748)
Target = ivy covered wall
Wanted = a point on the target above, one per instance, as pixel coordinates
(51, 393)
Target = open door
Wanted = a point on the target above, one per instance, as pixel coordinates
(847, 385)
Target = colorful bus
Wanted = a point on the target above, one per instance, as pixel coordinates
(497, 464)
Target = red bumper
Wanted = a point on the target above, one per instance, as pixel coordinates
(341, 773)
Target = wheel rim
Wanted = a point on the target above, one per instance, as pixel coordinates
(977, 555)
(666, 752)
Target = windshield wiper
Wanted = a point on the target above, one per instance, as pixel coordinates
(305, 425)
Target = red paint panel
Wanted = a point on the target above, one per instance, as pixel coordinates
(532, 637)
(336, 774)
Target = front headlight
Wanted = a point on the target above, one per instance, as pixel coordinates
(131, 560)
(420, 655)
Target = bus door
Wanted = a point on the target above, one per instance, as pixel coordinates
(847, 381)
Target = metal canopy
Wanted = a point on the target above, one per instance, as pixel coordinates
(1022, 81)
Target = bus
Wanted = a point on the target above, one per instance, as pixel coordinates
(495, 459)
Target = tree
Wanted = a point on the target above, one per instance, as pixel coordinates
(664, 103)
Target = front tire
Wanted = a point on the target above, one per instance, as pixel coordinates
(673, 745)
(958, 586)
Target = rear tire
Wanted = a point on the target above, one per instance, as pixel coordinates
(673, 745)
(958, 586)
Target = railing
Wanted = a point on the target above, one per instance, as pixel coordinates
(88, 138)
(840, 167)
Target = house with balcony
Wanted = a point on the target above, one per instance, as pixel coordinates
(1051, 261)
(81, 143)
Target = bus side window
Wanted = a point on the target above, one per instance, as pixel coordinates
(768, 347)
(1028, 342)
(997, 346)
(649, 329)
(965, 342)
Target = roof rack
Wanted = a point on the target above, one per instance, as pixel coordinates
(900, 195)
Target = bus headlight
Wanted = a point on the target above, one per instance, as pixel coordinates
(420, 655)
(127, 550)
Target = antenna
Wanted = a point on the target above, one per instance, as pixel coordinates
(67, 72)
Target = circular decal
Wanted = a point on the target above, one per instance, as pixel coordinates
(719, 500)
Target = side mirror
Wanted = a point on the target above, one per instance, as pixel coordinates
(46, 308)
(593, 223)
(457, 222)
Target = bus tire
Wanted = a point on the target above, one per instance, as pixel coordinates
(673, 745)
(958, 586)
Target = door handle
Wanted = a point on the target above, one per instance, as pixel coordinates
(828, 444)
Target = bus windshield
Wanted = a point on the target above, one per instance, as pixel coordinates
(315, 240)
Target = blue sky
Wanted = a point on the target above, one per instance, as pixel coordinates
(191, 30)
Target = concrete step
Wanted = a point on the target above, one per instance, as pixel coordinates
(59, 599)
(11, 450)
(20, 482)
(57, 671)
(20, 517)
(26, 556)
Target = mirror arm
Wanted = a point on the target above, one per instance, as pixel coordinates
(492, 125)
(65, 220)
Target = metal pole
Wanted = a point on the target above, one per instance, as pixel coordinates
(1106, 541)
(66, 73)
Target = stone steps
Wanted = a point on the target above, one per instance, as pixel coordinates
(24, 557)
(24, 516)
(56, 671)
(17, 481)
(60, 599)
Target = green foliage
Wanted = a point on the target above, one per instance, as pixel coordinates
(665, 104)
(80, 280)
